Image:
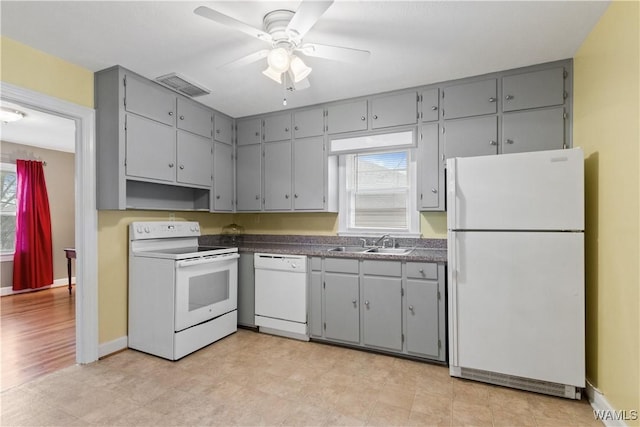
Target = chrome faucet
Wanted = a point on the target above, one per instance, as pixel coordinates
(381, 239)
(364, 242)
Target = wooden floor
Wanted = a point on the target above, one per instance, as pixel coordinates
(37, 335)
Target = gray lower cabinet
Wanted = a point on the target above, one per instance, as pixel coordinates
(533, 130)
(249, 177)
(277, 176)
(222, 177)
(382, 312)
(341, 307)
(315, 300)
(246, 290)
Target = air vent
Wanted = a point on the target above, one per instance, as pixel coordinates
(180, 84)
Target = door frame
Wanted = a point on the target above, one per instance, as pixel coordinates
(86, 224)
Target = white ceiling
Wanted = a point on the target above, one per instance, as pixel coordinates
(412, 43)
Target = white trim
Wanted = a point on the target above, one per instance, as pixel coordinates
(600, 403)
(114, 346)
(86, 227)
(8, 290)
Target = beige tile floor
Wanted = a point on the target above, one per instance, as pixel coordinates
(256, 379)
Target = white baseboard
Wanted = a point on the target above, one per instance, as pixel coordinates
(600, 403)
(8, 290)
(110, 347)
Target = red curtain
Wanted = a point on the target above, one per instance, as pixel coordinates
(33, 259)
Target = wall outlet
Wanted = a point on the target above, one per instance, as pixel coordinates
(172, 216)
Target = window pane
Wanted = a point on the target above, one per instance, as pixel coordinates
(381, 171)
(8, 232)
(381, 210)
(8, 180)
(8, 195)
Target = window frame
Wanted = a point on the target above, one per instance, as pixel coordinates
(344, 207)
(6, 255)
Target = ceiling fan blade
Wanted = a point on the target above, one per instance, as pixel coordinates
(223, 19)
(246, 60)
(343, 54)
(307, 15)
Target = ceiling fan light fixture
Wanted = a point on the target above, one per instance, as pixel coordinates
(273, 74)
(299, 69)
(278, 59)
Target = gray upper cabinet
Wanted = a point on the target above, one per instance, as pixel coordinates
(470, 99)
(249, 178)
(533, 130)
(430, 105)
(277, 176)
(194, 159)
(308, 123)
(248, 131)
(341, 307)
(533, 89)
(194, 118)
(394, 110)
(277, 128)
(430, 194)
(150, 149)
(222, 177)
(476, 136)
(308, 173)
(347, 117)
(382, 307)
(147, 99)
(223, 129)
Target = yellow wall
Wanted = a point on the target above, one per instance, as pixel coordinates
(29, 68)
(606, 125)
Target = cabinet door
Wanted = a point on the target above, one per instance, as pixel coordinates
(315, 304)
(222, 177)
(150, 149)
(223, 129)
(534, 89)
(471, 137)
(341, 311)
(249, 131)
(422, 317)
(429, 169)
(277, 128)
(533, 130)
(246, 290)
(394, 110)
(308, 123)
(308, 178)
(149, 100)
(383, 312)
(194, 118)
(430, 100)
(277, 176)
(249, 178)
(195, 162)
(470, 99)
(347, 117)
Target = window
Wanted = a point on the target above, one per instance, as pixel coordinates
(378, 193)
(8, 209)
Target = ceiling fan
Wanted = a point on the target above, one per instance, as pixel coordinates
(284, 30)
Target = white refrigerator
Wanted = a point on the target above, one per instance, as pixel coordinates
(516, 270)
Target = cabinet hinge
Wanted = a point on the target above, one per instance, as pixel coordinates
(325, 326)
(439, 344)
(421, 115)
(443, 94)
(401, 292)
(564, 145)
(324, 200)
(418, 97)
(442, 112)
(325, 113)
(403, 338)
(324, 285)
(438, 295)
(564, 115)
(420, 196)
(443, 130)
(565, 73)
(565, 94)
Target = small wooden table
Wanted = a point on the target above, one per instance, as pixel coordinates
(70, 253)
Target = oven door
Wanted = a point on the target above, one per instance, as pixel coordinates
(205, 288)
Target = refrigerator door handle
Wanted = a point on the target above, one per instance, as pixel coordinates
(451, 196)
(453, 297)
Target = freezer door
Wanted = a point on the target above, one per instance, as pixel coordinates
(541, 190)
(516, 304)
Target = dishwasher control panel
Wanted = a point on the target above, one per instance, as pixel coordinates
(293, 263)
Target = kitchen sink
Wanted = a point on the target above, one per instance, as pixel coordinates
(350, 249)
(389, 251)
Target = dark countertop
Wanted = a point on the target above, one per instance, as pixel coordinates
(426, 250)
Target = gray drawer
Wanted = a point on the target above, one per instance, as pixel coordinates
(382, 268)
(338, 265)
(316, 264)
(422, 270)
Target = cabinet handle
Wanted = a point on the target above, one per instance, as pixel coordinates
(354, 302)
(434, 191)
(257, 197)
(508, 97)
(295, 128)
(366, 303)
(492, 99)
(218, 131)
(295, 196)
(492, 142)
(509, 141)
(170, 165)
(434, 108)
(421, 271)
(411, 309)
(375, 117)
(171, 113)
(363, 118)
(286, 129)
(218, 197)
(181, 167)
(286, 196)
(257, 133)
(181, 117)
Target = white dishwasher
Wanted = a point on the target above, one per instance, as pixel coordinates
(281, 295)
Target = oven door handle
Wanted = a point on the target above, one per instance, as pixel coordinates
(206, 260)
